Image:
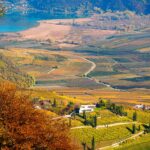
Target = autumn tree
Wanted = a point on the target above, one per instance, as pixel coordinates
(28, 128)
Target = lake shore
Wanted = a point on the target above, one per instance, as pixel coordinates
(65, 32)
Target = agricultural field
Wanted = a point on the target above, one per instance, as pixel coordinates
(131, 97)
(107, 117)
(141, 143)
(104, 117)
(122, 61)
(143, 116)
(102, 61)
(103, 137)
(51, 68)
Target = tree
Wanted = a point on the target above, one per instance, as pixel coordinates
(2, 9)
(85, 121)
(139, 128)
(54, 103)
(28, 128)
(84, 114)
(70, 123)
(133, 129)
(95, 121)
(134, 116)
(93, 143)
(76, 109)
(84, 145)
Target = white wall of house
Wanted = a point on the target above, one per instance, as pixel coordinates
(87, 108)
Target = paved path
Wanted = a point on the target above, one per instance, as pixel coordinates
(93, 66)
(51, 70)
(61, 117)
(114, 124)
(120, 142)
(104, 126)
(81, 127)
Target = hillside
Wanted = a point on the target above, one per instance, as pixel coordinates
(80, 6)
(9, 72)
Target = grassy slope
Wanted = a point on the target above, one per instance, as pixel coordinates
(9, 72)
(103, 137)
(142, 143)
(142, 116)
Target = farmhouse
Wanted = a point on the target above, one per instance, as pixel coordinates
(144, 107)
(87, 108)
(139, 106)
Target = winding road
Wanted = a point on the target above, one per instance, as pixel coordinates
(93, 66)
(120, 142)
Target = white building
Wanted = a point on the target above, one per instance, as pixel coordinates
(139, 106)
(87, 108)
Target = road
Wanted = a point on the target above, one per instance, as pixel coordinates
(120, 142)
(114, 124)
(93, 66)
(105, 126)
(51, 70)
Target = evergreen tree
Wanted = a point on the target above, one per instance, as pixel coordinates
(133, 129)
(139, 128)
(84, 114)
(95, 121)
(70, 123)
(54, 103)
(93, 143)
(85, 121)
(84, 145)
(134, 116)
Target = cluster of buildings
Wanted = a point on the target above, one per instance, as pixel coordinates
(141, 106)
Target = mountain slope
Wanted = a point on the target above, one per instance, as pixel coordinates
(85, 6)
(9, 72)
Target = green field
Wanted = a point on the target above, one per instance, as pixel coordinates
(103, 137)
(142, 146)
(141, 143)
(142, 116)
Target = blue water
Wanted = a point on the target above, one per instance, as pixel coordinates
(17, 22)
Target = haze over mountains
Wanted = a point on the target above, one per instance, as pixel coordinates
(78, 6)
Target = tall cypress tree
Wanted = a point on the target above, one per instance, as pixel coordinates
(134, 116)
(93, 143)
(54, 103)
(70, 122)
(84, 114)
(133, 129)
(95, 121)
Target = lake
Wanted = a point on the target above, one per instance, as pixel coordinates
(18, 22)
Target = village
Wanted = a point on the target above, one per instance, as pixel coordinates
(88, 121)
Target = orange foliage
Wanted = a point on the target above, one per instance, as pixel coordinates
(28, 128)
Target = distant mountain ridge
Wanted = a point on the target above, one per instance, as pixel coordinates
(80, 6)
